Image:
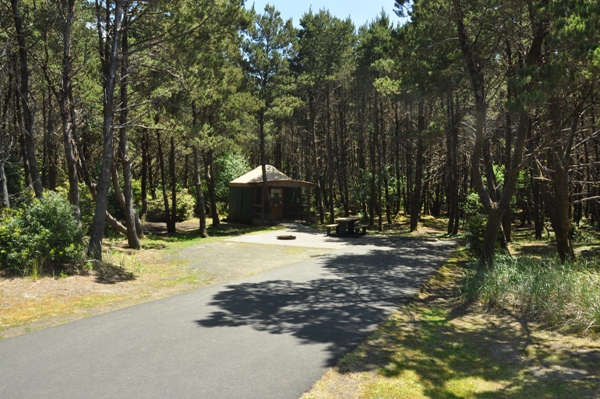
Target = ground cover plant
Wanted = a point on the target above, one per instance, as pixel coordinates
(41, 234)
(559, 295)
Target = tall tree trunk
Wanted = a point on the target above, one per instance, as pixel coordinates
(266, 196)
(110, 59)
(452, 181)
(4, 198)
(145, 170)
(508, 136)
(415, 207)
(314, 148)
(200, 205)
(67, 112)
(495, 210)
(163, 183)
(50, 166)
(173, 219)
(560, 207)
(330, 167)
(133, 223)
(27, 107)
(561, 223)
(212, 186)
(397, 160)
(200, 202)
(5, 148)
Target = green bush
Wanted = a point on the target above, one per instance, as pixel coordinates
(40, 234)
(476, 234)
(559, 295)
(185, 207)
(228, 167)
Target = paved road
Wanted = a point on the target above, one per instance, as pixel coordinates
(267, 336)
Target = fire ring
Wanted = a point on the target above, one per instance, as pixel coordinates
(286, 237)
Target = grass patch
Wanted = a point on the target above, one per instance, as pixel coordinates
(564, 296)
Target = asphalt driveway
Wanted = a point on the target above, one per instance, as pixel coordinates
(270, 335)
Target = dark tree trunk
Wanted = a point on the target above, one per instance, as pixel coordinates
(50, 164)
(145, 171)
(415, 206)
(397, 161)
(343, 170)
(163, 183)
(171, 228)
(474, 65)
(4, 198)
(538, 214)
(27, 108)
(67, 112)
(212, 187)
(110, 59)
(200, 205)
(452, 181)
(133, 223)
(266, 195)
(561, 205)
(5, 148)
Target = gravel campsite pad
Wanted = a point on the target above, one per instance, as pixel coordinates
(227, 260)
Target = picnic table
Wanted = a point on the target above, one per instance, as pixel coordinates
(346, 225)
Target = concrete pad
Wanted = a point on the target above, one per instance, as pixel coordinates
(314, 239)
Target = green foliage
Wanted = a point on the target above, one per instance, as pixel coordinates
(41, 233)
(476, 234)
(185, 207)
(362, 191)
(269, 44)
(472, 205)
(14, 173)
(227, 168)
(86, 204)
(559, 295)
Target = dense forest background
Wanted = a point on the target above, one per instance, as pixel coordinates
(484, 111)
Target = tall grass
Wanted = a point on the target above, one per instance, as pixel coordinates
(565, 296)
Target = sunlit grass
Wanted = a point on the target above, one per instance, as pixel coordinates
(559, 295)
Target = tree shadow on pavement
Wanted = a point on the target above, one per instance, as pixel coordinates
(356, 292)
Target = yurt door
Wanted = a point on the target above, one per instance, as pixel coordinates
(277, 203)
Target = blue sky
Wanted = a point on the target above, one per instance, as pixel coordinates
(360, 11)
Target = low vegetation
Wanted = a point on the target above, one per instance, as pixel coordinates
(40, 234)
(558, 295)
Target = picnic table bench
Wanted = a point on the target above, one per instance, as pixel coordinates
(331, 226)
(362, 229)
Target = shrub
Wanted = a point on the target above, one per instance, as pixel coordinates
(41, 233)
(476, 234)
(228, 167)
(185, 207)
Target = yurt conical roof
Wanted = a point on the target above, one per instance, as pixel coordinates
(275, 178)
